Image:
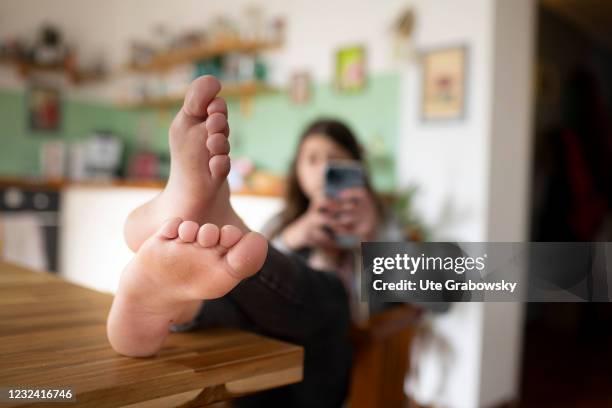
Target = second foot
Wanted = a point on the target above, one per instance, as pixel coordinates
(197, 188)
(188, 261)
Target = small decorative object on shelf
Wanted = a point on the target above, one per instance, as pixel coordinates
(48, 54)
(49, 49)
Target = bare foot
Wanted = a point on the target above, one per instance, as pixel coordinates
(197, 188)
(181, 263)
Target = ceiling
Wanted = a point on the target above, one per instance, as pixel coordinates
(592, 16)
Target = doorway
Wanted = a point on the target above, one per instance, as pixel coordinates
(568, 354)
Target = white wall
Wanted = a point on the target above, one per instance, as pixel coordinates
(473, 177)
(448, 159)
(448, 162)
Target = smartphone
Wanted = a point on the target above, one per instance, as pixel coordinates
(340, 176)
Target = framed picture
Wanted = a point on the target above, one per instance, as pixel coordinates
(350, 68)
(444, 83)
(299, 88)
(44, 108)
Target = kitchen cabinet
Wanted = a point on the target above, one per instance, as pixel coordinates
(93, 252)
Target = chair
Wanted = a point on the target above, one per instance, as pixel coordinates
(381, 360)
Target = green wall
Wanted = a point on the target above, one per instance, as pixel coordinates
(267, 135)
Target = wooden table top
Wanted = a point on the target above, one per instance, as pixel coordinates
(53, 334)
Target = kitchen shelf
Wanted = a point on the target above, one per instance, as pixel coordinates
(166, 60)
(231, 90)
(26, 68)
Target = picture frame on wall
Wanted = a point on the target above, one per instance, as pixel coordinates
(350, 75)
(44, 108)
(444, 82)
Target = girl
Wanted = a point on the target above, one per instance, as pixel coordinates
(309, 222)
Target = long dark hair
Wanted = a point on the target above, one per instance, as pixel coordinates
(296, 201)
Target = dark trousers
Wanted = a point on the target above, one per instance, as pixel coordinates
(290, 301)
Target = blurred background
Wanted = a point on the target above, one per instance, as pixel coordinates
(483, 120)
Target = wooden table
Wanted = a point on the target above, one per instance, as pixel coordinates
(53, 334)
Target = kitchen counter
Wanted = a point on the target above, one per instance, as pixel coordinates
(53, 334)
(59, 184)
(90, 218)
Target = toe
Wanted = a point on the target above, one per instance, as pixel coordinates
(216, 123)
(247, 256)
(218, 105)
(195, 107)
(187, 231)
(208, 235)
(170, 228)
(219, 166)
(200, 94)
(229, 236)
(217, 144)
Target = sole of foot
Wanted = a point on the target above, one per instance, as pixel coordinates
(186, 261)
